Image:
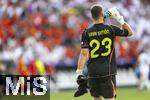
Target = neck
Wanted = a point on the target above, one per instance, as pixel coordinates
(98, 21)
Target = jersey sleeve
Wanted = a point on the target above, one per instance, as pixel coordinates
(118, 31)
(84, 40)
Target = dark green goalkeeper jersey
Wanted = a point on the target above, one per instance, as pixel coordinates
(99, 39)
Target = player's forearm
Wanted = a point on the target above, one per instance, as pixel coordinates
(81, 62)
(127, 26)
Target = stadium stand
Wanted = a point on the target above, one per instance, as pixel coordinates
(48, 32)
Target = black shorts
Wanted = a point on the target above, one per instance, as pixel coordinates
(103, 86)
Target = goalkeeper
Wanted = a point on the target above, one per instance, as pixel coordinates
(97, 48)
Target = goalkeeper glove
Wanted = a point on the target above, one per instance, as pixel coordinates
(82, 88)
(116, 15)
(107, 14)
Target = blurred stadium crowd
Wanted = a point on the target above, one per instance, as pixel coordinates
(37, 35)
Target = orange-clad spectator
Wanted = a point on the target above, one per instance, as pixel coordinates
(22, 68)
(48, 32)
(71, 33)
(56, 33)
(64, 19)
(70, 53)
(50, 70)
(7, 23)
(2, 34)
(83, 25)
(33, 69)
(133, 53)
(124, 49)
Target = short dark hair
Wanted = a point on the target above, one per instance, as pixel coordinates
(96, 12)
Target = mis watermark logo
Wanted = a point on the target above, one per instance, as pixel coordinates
(26, 85)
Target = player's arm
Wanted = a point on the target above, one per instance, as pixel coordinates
(81, 79)
(82, 60)
(83, 57)
(127, 27)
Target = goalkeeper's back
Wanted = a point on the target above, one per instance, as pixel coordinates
(99, 39)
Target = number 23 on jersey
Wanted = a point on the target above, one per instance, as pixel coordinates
(97, 47)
